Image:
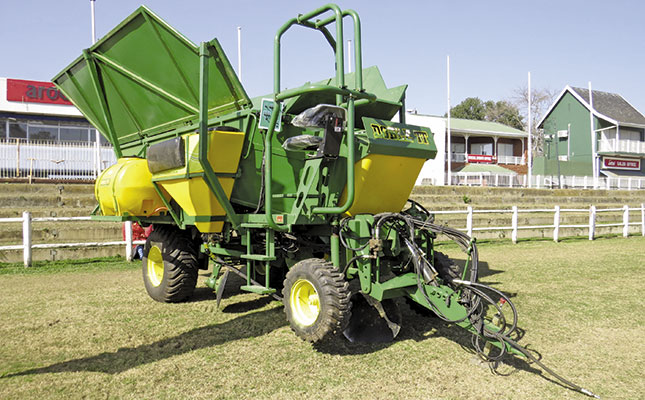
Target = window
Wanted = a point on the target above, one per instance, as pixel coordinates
(74, 134)
(17, 130)
(563, 145)
(505, 149)
(43, 132)
(3, 128)
(482, 148)
(458, 147)
(628, 134)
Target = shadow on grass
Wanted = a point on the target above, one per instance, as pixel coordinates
(421, 328)
(255, 324)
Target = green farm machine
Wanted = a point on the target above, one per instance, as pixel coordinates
(299, 192)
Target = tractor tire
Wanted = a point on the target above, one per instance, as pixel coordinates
(447, 270)
(316, 300)
(170, 264)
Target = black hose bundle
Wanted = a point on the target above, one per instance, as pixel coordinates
(475, 295)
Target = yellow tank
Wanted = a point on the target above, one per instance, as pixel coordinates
(126, 188)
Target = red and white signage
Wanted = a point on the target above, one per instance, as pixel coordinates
(621, 163)
(481, 158)
(34, 92)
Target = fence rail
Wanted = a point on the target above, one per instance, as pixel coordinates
(558, 223)
(27, 246)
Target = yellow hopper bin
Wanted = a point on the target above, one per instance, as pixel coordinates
(190, 190)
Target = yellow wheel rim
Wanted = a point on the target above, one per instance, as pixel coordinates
(155, 266)
(305, 304)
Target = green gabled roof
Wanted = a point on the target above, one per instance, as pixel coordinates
(469, 125)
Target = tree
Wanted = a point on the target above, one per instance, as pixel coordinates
(470, 108)
(502, 111)
(541, 100)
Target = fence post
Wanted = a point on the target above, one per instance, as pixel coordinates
(643, 219)
(556, 224)
(625, 220)
(629, 183)
(560, 181)
(608, 183)
(26, 237)
(592, 222)
(128, 240)
(514, 223)
(584, 182)
(469, 221)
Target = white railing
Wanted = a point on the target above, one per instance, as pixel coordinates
(513, 160)
(487, 179)
(558, 221)
(27, 246)
(587, 182)
(621, 146)
(20, 158)
(545, 182)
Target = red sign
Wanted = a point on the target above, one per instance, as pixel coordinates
(481, 158)
(621, 163)
(34, 92)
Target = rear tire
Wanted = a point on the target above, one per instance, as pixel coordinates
(316, 300)
(170, 264)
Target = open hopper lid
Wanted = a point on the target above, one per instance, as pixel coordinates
(143, 78)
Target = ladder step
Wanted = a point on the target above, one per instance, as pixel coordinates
(256, 225)
(257, 257)
(257, 289)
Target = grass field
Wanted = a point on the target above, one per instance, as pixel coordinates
(88, 330)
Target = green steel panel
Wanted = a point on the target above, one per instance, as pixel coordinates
(142, 78)
(392, 138)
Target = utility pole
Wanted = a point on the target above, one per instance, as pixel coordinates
(97, 139)
(530, 152)
(239, 53)
(448, 145)
(594, 163)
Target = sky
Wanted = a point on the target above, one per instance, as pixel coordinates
(492, 44)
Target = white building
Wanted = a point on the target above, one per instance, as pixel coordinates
(42, 134)
(482, 152)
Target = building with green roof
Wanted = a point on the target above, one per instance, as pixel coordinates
(484, 148)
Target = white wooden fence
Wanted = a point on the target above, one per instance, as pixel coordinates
(558, 223)
(27, 246)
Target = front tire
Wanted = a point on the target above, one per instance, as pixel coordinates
(170, 264)
(316, 300)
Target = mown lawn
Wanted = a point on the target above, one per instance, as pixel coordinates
(89, 330)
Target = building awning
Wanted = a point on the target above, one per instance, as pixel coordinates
(621, 173)
(486, 169)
